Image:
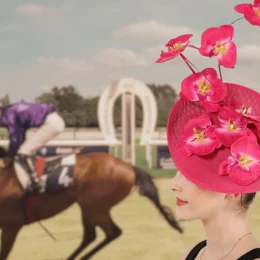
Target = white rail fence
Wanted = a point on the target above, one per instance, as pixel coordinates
(95, 138)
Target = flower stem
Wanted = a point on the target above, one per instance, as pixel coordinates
(190, 63)
(237, 20)
(194, 47)
(220, 73)
(187, 62)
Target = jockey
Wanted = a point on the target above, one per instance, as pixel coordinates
(21, 116)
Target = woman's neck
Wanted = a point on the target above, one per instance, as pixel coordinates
(223, 232)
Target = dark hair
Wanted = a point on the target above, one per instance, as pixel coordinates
(247, 199)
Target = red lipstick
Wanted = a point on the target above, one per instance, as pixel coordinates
(180, 202)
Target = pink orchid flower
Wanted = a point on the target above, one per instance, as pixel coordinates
(198, 137)
(206, 87)
(218, 42)
(233, 126)
(247, 111)
(243, 166)
(251, 12)
(175, 47)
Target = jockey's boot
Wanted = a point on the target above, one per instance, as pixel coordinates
(26, 161)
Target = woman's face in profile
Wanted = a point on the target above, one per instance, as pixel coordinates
(193, 202)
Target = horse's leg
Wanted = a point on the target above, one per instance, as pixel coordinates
(89, 235)
(9, 235)
(111, 230)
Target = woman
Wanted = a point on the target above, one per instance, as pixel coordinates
(218, 158)
(224, 217)
(21, 116)
(213, 135)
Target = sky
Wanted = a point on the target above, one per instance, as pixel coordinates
(90, 44)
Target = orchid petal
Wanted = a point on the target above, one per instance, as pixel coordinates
(251, 16)
(202, 148)
(251, 134)
(255, 118)
(206, 50)
(188, 86)
(182, 38)
(200, 122)
(182, 150)
(210, 132)
(210, 73)
(210, 106)
(223, 167)
(220, 91)
(221, 34)
(240, 8)
(227, 138)
(229, 58)
(165, 56)
(207, 36)
(243, 177)
(247, 146)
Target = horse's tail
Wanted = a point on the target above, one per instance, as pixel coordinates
(148, 189)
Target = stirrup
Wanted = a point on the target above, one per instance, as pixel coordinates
(26, 161)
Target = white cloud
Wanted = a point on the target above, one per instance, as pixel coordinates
(32, 9)
(120, 57)
(9, 28)
(249, 52)
(66, 63)
(152, 30)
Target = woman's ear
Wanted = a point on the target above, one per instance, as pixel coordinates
(231, 196)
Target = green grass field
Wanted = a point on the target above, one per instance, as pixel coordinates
(146, 236)
(142, 235)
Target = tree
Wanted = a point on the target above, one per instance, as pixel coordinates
(68, 102)
(166, 97)
(78, 111)
(5, 100)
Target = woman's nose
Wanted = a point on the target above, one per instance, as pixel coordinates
(175, 182)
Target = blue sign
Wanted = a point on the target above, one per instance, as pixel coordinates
(59, 150)
(164, 159)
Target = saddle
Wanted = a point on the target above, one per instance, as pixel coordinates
(54, 172)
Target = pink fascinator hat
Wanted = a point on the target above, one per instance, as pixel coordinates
(213, 131)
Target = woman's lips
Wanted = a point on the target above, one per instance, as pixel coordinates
(180, 202)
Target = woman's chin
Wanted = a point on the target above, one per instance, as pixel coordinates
(183, 215)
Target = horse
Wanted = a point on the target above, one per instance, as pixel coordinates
(100, 181)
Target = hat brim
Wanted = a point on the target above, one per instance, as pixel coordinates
(203, 170)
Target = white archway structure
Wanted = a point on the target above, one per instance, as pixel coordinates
(107, 101)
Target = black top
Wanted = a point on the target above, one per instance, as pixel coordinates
(250, 255)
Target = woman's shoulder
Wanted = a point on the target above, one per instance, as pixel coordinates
(194, 250)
